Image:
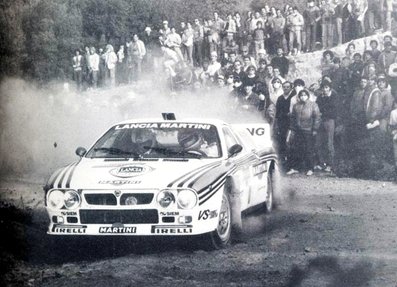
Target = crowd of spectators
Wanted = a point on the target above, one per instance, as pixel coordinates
(350, 113)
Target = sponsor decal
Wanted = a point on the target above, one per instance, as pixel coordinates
(260, 168)
(256, 131)
(169, 213)
(117, 230)
(69, 213)
(119, 182)
(207, 214)
(69, 229)
(130, 170)
(164, 126)
(172, 229)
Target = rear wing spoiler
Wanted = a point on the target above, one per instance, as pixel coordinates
(258, 135)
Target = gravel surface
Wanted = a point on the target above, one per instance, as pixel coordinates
(328, 232)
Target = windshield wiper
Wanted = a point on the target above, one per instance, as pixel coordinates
(113, 150)
(170, 152)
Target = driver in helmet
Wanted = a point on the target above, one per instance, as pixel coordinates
(144, 141)
(193, 141)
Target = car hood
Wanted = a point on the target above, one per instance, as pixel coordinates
(149, 174)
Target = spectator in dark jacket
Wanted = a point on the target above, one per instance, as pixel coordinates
(281, 62)
(327, 104)
(305, 122)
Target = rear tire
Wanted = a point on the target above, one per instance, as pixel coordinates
(269, 196)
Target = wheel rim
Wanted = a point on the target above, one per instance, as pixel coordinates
(223, 228)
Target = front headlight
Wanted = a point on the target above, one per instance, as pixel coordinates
(187, 199)
(165, 198)
(58, 199)
(71, 199)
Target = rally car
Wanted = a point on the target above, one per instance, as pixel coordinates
(165, 177)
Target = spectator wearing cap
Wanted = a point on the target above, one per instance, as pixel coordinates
(281, 125)
(165, 30)
(152, 60)
(311, 15)
(305, 122)
(198, 37)
(250, 101)
(327, 104)
(281, 62)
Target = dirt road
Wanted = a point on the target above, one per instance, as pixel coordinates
(329, 232)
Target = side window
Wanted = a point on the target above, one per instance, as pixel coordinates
(230, 140)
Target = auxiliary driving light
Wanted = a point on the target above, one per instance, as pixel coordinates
(131, 200)
(187, 199)
(165, 198)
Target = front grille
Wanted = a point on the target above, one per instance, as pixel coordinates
(100, 199)
(139, 216)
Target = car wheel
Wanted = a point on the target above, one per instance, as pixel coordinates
(269, 194)
(221, 236)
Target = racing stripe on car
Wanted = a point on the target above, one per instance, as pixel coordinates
(58, 181)
(53, 177)
(214, 191)
(191, 173)
(71, 175)
(193, 179)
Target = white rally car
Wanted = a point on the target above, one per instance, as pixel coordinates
(165, 177)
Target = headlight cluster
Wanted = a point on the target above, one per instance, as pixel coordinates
(58, 199)
(185, 198)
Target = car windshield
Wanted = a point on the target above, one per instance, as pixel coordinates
(158, 140)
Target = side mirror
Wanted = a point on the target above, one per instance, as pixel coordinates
(80, 151)
(234, 149)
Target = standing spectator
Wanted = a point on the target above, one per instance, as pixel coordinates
(174, 42)
(187, 43)
(254, 22)
(120, 71)
(359, 10)
(94, 61)
(281, 125)
(386, 9)
(386, 58)
(338, 16)
(219, 24)
(259, 35)
(327, 12)
(387, 102)
(356, 69)
(86, 68)
(305, 122)
(327, 104)
(278, 27)
(276, 91)
(250, 101)
(311, 16)
(230, 25)
(111, 61)
(261, 72)
(373, 15)
(238, 71)
(263, 55)
(295, 24)
(153, 55)
(138, 52)
(198, 37)
(245, 55)
(214, 65)
(164, 31)
(102, 68)
(77, 69)
(281, 62)
(348, 21)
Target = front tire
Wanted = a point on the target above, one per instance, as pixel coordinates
(221, 236)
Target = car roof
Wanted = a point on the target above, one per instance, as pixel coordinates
(216, 122)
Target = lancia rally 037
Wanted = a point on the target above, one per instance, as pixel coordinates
(165, 177)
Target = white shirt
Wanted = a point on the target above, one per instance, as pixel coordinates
(94, 62)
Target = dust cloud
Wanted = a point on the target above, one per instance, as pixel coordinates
(42, 127)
